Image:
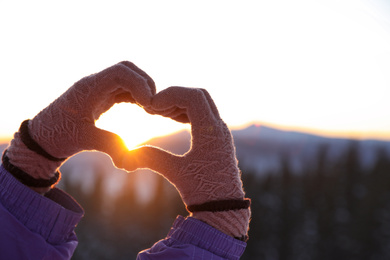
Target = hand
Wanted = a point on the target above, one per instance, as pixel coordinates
(207, 176)
(67, 126)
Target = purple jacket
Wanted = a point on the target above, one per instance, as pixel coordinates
(42, 227)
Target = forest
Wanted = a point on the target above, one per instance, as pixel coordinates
(330, 210)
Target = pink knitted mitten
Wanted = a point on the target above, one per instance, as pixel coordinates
(207, 176)
(67, 126)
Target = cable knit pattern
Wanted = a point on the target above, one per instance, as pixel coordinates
(232, 222)
(209, 170)
(67, 126)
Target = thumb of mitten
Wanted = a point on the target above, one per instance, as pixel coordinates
(104, 141)
(153, 158)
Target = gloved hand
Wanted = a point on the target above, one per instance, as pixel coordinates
(67, 126)
(207, 176)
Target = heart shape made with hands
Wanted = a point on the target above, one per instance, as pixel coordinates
(207, 172)
(67, 126)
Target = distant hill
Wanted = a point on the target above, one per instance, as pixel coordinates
(260, 148)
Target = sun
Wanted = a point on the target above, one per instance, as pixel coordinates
(135, 126)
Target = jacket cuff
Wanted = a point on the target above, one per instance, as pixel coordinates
(53, 216)
(195, 232)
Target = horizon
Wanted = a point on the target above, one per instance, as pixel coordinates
(322, 133)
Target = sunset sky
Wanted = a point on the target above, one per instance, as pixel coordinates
(317, 66)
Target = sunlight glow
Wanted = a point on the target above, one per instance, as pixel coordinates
(135, 126)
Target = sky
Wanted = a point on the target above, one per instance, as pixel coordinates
(315, 66)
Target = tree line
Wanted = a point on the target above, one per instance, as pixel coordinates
(333, 209)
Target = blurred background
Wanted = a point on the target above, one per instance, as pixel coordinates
(302, 84)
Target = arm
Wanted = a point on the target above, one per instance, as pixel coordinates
(35, 226)
(67, 126)
(207, 178)
(37, 221)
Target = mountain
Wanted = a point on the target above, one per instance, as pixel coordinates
(260, 148)
(177, 143)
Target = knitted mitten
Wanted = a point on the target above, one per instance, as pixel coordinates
(67, 126)
(207, 176)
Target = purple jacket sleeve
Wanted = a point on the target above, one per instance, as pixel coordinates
(193, 239)
(33, 226)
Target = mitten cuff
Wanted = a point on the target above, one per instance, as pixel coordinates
(220, 205)
(41, 170)
(27, 179)
(34, 146)
(234, 223)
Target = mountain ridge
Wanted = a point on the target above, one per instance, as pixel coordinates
(260, 147)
